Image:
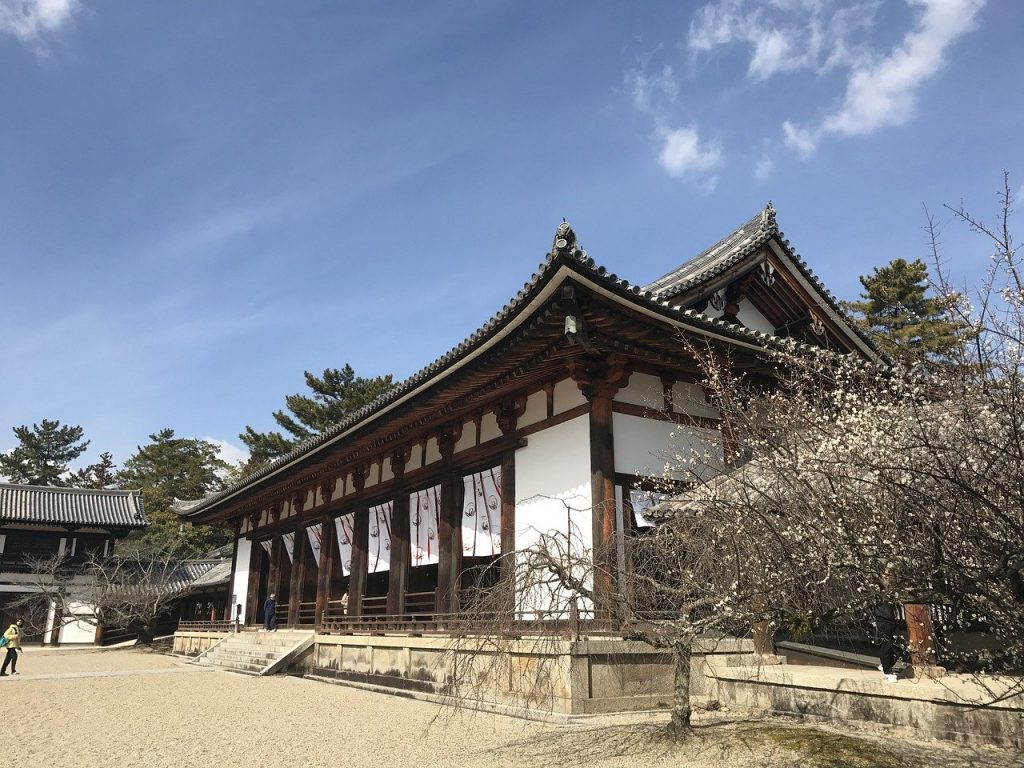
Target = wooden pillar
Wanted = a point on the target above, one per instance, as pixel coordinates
(360, 549)
(449, 535)
(401, 554)
(276, 553)
(508, 421)
(921, 637)
(599, 379)
(298, 560)
(508, 512)
(327, 563)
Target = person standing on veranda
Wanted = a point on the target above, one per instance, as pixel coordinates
(270, 613)
(13, 643)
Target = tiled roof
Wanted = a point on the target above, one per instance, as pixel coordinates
(195, 574)
(733, 249)
(43, 505)
(719, 257)
(564, 252)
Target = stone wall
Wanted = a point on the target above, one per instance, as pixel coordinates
(567, 677)
(194, 643)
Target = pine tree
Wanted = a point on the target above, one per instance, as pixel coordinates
(43, 454)
(99, 475)
(907, 324)
(170, 468)
(335, 395)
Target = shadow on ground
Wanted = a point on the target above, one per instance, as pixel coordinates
(737, 744)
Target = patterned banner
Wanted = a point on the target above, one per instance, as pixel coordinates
(267, 545)
(380, 538)
(315, 533)
(641, 501)
(424, 511)
(344, 527)
(289, 545)
(481, 514)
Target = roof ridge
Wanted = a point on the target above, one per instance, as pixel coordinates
(63, 489)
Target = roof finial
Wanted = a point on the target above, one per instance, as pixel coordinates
(565, 241)
(768, 215)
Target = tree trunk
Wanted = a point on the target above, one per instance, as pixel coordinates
(681, 712)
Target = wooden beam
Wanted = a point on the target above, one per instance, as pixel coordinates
(508, 512)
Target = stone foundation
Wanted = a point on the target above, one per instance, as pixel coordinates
(563, 677)
(195, 643)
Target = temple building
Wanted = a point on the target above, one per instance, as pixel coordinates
(549, 417)
(40, 523)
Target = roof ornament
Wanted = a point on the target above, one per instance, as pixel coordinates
(565, 241)
(768, 215)
(817, 326)
(717, 299)
(767, 274)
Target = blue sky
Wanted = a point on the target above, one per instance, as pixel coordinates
(198, 201)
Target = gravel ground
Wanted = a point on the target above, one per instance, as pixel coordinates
(144, 709)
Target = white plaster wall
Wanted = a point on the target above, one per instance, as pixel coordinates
(567, 396)
(433, 452)
(415, 458)
(386, 471)
(654, 448)
(373, 476)
(553, 493)
(468, 437)
(753, 319)
(240, 578)
(489, 427)
(78, 631)
(643, 389)
(536, 409)
(749, 315)
(689, 398)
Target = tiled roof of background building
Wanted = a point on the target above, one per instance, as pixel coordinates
(42, 505)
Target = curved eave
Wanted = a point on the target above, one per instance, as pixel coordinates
(542, 288)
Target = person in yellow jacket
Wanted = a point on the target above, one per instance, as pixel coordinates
(12, 638)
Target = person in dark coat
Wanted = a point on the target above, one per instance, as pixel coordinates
(890, 650)
(270, 613)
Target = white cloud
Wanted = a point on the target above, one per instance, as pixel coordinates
(765, 168)
(28, 20)
(682, 152)
(651, 93)
(785, 35)
(229, 452)
(883, 92)
(800, 139)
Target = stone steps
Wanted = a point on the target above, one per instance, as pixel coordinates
(256, 653)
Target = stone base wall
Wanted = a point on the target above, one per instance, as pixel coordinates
(946, 709)
(565, 677)
(194, 643)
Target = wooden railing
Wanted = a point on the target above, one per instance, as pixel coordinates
(504, 624)
(208, 626)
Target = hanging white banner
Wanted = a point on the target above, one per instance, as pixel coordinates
(289, 545)
(481, 514)
(267, 545)
(344, 527)
(379, 550)
(424, 519)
